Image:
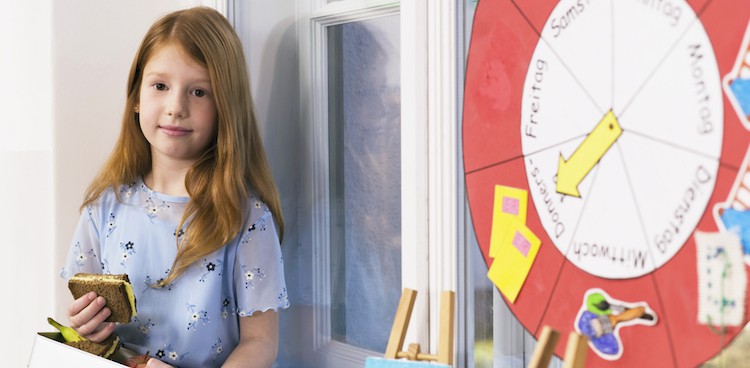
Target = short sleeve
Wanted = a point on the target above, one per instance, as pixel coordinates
(259, 269)
(84, 254)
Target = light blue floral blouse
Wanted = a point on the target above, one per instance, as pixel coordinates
(193, 322)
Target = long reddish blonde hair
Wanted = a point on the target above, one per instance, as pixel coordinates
(219, 183)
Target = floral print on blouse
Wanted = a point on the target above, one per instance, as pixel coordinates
(192, 322)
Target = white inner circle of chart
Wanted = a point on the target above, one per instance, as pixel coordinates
(642, 192)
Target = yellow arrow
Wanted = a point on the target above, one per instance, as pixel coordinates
(570, 173)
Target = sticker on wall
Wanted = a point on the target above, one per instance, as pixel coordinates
(737, 82)
(516, 254)
(733, 215)
(514, 246)
(601, 317)
(509, 209)
(722, 281)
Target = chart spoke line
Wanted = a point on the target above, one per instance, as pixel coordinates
(694, 23)
(567, 251)
(644, 232)
(640, 205)
(723, 163)
(538, 327)
(639, 212)
(498, 163)
(528, 21)
(665, 318)
(602, 110)
(672, 144)
(703, 9)
(729, 166)
(581, 213)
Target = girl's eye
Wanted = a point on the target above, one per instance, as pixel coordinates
(199, 93)
(160, 86)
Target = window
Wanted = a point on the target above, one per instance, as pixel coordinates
(364, 174)
(356, 215)
(384, 133)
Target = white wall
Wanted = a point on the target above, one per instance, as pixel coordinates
(26, 225)
(269, 33)
(62, 83)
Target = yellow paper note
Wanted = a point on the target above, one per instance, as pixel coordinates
(515, 256)
(509, 204)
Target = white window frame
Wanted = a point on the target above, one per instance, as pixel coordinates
(430, 85)
(444, 179)
(331, 352)
(430, 181)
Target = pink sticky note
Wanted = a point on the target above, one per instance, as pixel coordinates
(510, 205)
(521, 243)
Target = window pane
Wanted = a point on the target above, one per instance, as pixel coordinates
(483, 303)
(365, 180)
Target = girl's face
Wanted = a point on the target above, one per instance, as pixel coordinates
(177, 109)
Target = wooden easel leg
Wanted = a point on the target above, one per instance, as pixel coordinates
(575, 351)
(400, 323)
(447, 317)
(545, 347)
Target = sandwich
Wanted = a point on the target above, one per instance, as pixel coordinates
(115, 289)
(103, 349)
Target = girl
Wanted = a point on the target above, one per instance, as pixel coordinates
(187, 207)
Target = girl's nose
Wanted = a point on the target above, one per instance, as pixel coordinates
(177, 106)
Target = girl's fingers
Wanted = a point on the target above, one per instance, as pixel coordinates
(93, 324)
(89, 318)
(102, 332)
(79, 304)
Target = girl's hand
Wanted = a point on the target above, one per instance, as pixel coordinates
(87, 314)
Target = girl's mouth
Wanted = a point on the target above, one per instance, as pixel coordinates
(174, 131)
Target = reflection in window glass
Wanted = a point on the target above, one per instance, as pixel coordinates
(483, 301)
(365, 180)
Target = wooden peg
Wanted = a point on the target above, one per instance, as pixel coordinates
(413, 352)
(545, 347)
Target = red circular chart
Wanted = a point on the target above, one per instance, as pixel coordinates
(618, 122)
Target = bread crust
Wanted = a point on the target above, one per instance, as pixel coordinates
(111, 287)
(103, 349)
